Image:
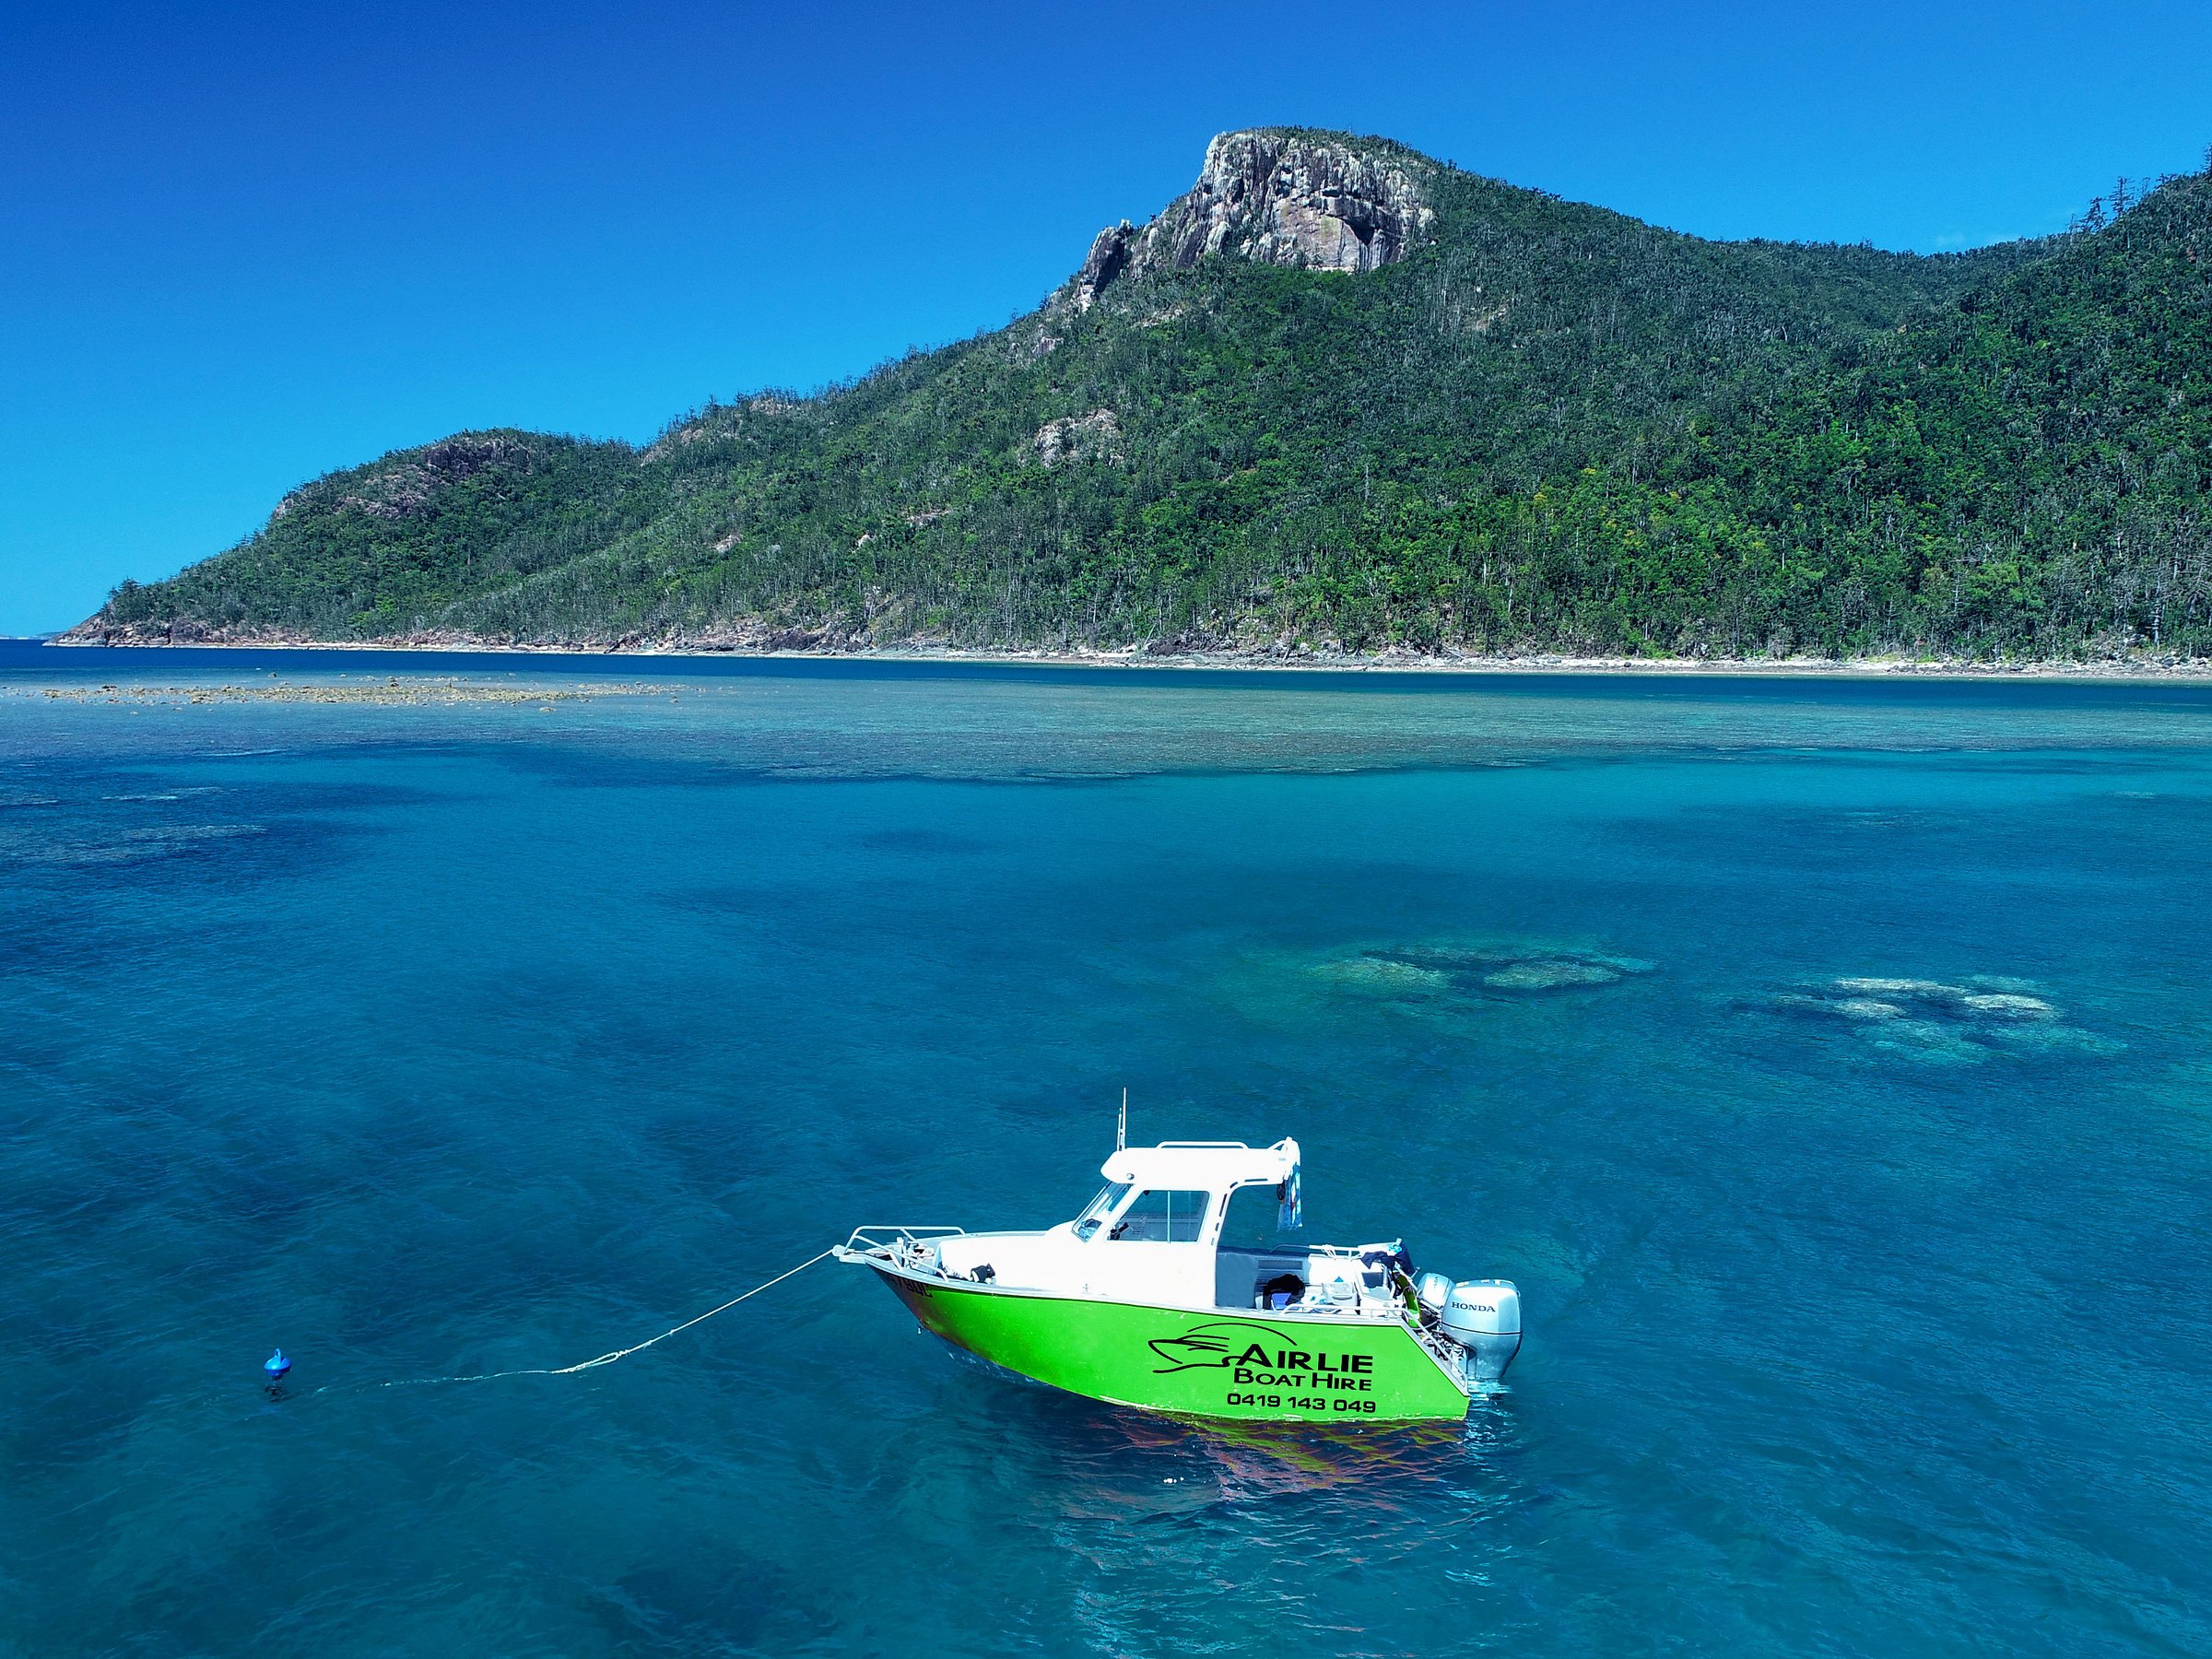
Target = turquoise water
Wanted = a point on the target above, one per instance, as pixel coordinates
(462, 1035)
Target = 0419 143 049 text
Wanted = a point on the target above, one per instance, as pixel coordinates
(1298, 1401)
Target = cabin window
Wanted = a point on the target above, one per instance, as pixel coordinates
(1099, 1209)
(1254, 1220)
(1164, 1216)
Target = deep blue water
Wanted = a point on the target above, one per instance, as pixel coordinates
(456, 1037)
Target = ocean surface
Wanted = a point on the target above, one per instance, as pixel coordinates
(1829, 1062)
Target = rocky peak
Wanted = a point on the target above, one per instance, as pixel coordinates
(409, 488)
(1280, 197)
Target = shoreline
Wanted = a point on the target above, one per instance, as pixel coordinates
(1140, 658)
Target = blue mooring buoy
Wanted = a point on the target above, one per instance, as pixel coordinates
(275, 1365)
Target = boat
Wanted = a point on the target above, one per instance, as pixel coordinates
(1181, 1287)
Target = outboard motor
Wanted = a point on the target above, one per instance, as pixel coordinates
(1484, 1317)
(1432, 1290)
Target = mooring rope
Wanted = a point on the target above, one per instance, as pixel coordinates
(585, 1365)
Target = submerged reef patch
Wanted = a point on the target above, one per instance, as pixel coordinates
(1511, 966)
(1379, 975)
(80, 847)
(1444, 979)
(413, 692)
(1936, 1021)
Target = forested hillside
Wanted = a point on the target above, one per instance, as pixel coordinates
(1344, 397)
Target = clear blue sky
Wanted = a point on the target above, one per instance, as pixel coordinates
(239, 248)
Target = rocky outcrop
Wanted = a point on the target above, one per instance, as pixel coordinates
(1093, 437)
(408, 489)
(178, 630)
(1278, 197)
(1109, 258)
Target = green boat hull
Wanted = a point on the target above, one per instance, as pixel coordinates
(1217, 1362)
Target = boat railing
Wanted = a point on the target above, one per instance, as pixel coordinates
(899, 1244)
(1441, 1348)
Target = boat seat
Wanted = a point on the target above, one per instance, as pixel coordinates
(1243, 1278)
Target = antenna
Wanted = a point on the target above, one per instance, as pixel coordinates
(1121, 1129)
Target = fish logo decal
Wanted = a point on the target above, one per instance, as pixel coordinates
(1219, 1343)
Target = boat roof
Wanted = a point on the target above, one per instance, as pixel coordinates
(1209, 1166)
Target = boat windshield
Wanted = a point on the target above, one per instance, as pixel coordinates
(1099, 1209)
(1164, 1216)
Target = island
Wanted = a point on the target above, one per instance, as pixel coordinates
(1342, 402)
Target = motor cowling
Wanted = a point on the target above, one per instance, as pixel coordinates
(1484, 1317)
(1432, 1290)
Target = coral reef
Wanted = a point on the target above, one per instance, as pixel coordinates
(1489, 965)
(1933, 1020)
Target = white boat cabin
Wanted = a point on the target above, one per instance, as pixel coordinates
(1188, 1224)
